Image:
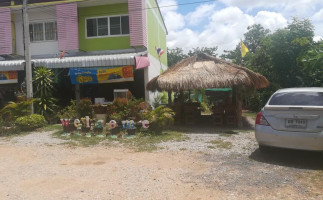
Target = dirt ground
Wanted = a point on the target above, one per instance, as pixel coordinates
(190, 169)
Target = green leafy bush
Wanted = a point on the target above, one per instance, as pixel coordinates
(30, 122)
(84, 108)
(205, 107)
(14, 110)
(160, 118)
(68, 112)
(160, 98)
(122, 109)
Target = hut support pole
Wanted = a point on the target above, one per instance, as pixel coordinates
(237, 99)
(169, 97)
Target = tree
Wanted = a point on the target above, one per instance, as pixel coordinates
(174, 56)
(253, 38)
(208, 50)
(285, 46)
(312, 65)
(286, 57)
(43, 87)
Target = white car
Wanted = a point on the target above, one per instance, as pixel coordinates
(292, 118)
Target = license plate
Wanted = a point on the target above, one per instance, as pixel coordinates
(296, 123)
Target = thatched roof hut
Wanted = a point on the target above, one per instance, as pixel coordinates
(204, 71)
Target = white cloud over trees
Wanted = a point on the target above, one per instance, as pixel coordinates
(212, 25)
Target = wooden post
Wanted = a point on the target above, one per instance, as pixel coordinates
(169, 98)
(237, 100)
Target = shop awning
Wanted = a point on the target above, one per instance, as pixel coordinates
(75, 61)
(12, 65)
(87, 61)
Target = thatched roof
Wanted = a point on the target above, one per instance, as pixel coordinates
(204, 71)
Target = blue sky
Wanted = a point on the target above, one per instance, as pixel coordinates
(222, 23)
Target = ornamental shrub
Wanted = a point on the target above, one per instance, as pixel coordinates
(160, 118)
(69, 112)
(30, 122)
(13, 110)
(84, 108)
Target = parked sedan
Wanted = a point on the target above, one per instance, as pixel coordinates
(292, 118)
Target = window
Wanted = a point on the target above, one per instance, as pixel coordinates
(43, 31)
(105, 26)
(297, 99)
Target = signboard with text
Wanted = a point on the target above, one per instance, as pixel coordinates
(8, 77)
(101, 75)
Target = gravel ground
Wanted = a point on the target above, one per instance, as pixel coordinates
(37, 138)
(209, 164)
(243, 172)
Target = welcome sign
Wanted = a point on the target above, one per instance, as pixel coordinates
(102, 75)
(8, 77)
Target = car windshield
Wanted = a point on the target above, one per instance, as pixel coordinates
(297, 99)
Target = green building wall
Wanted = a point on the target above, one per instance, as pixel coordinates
(103, 43)
(155, 32)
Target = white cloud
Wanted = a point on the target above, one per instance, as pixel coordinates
(270, 20)
(224, 30)
(274, 4)
(318, 16)
(174, 21)
(167, 6)
(231, 15)
(318, 38)
(200, 13)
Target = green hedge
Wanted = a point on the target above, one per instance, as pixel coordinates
(30, 122)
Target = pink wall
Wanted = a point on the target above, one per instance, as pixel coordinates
(67, 26)
(5, 31)
(137, 22)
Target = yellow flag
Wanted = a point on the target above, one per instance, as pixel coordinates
(244, 49)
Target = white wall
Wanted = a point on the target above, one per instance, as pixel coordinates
(151, 72)
(36, 15)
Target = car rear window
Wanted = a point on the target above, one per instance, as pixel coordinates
(297, 99)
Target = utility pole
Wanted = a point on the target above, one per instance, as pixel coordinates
(29, 84)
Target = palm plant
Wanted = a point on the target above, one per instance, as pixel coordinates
(14, 110)
(43, 87)
(160, 118)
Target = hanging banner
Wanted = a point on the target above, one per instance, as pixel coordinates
(8, 77)
(95, 76)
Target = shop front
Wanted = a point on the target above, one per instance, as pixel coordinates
(98, 76)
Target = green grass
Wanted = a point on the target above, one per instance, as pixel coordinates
(12, 134)
(74, 140)
(19, 133)
(139, 142)
(52, 127)
(148, 142)
(221, 144)
(249, 114)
